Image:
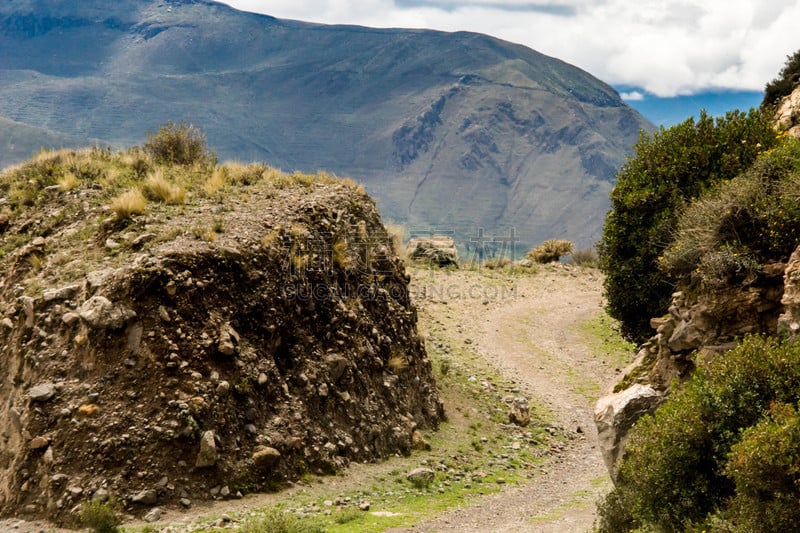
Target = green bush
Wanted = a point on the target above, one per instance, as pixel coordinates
(101, 517)
(784, 83)
(178, 144)
(279, 521)
(585, 258)
(550, 250)
(752, 219)
(765, 467)
(687, 461)
(669, 169)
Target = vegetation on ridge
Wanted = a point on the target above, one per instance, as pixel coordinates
(669, 169)
(712, 457)
(721, 453)
(784, 83)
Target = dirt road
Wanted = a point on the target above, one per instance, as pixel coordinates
(538, 339)
(533, 330)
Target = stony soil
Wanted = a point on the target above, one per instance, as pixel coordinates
(531, 328)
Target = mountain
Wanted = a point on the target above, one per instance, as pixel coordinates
(19, 141)
(449, 131)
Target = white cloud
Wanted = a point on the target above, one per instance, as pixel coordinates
(633, 96)
(666, 47)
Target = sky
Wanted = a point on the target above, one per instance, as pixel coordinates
(662, 48)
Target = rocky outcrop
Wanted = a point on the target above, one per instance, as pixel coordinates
(789, 321)
(437, 251)
(787, 117)
(189, 367)
(701, 323)
(615, 415)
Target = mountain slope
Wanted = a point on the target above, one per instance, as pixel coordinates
(19, 141)
(449, 131)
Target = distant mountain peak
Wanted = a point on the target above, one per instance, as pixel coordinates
(457, 129)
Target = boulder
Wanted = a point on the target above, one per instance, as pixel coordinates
(207, 456)
(438, 251)
(421, 477)
(615, 414)
(100, 313)
(519, 412)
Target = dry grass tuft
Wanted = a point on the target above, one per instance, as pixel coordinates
(158, 188)
(129, 203)
(68, 182)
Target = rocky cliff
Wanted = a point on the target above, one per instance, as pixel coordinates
(224, 342)
(702, 322)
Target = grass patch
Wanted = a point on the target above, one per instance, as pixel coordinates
(128, 204)
(602, 335)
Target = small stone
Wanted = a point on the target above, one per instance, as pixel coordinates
(364, 506)
(225, 491)
(141, 240)
(89, 409)
(27, 308)
(145, 497)
(70, 318)
(265, 456)
(228, 341)
(164, 314)
(153, 515)
(223, 388)
(111, 244)
(58, 479)
(186, 502)
(262, 379)
(421, 477)
(38, 443)
(207, 456)
(100, 495)
(418, 441)
(8, 323)
(42, 392)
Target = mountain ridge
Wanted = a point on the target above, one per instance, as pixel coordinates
(453, 131)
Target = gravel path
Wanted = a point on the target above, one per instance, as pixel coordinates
(535, 340)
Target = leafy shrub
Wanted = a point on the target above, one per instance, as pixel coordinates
(683, 464)
(178, 144)
(765, 467)
(740, 223)
(585, 258)
(550, 250)
(784, 83)
(669, 169)
(101, 517)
